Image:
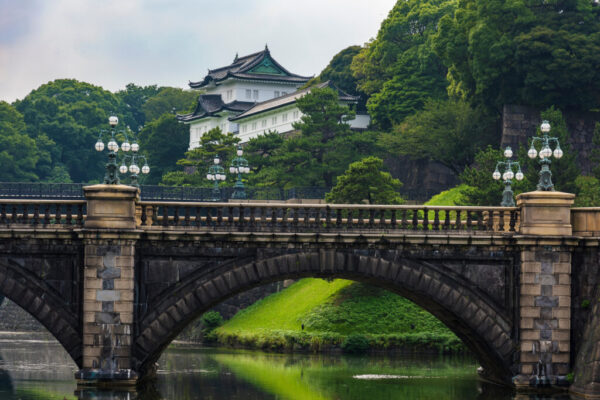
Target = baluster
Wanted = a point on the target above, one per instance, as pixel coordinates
(382, 221)
(469, 220)
(338, 217)
(273, 217)
(58, 215)
(25, 215)
(327, 217)
(230, 216)
(306, 218)
(13, 216)
(361, 221)
(80, 215)
(415, 219)
(165, 216)
(241, 218)
(284, 217)
(436, 220)
(425, 219)
(155, 215)
(458, 220)
(36, 214)
(186, 218)
(3, 214)
(219, 216)
(394, 219)
(176, 216)
(69, 215)
(253, 218)
(371, 218)
(318, 218)
(447, 220)
(404, 221)
(47, 215)
(490, 222)
(295, 221)
(501, 221)
(513, 220)
(479, 220)
(198, 213)
(144, 216)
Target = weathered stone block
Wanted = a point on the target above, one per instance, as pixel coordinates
(531, 289)
(561, 290)
(546, 301)
(560, 358)
(530, 312)
(562, 268)
(531, 267)
(108, 295)
(109, 273)
(107, 318)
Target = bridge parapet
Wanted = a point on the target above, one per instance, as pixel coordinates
(283, 217)
(42, 213)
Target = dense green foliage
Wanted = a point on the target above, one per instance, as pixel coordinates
(447, 131)
(365, 182)
(134, 98)
(169, 100)
(523, 52)
(399, 70)
(164, 140)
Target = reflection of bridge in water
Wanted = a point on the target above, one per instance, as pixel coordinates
(115, 279)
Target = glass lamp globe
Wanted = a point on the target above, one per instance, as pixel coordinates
(145, 169)
(223, 177)
(125, 146)
(216, 160)
(510, 174)
(135, 147)
(123, 169)
(545, 127)
(558, 153)
(112, 145)
(240, 152)
(508, 153)
(209, 177)
(99, 145)
(504, 177)
(134, 169)
(246, 169)
(232, 170)
(546, 152)
(532, 153)
(519, 175)
(113, 120)
(496, 175)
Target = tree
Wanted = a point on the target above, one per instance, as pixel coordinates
(163, 141)
(525, 52)
(449, 132)
(399, 70)
(18, 152)
(134, 98)
(365, 182)
(169, 100)
(212, 143)
(588, 191)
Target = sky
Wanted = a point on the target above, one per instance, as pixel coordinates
(114, 42)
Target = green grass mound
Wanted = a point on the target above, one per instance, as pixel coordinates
(341, 314)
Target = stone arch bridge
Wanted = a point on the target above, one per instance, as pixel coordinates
(115, 279)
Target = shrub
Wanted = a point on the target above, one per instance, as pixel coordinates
(212, 320)
(355, 344)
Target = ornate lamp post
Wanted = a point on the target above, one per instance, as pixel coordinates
(507, 195)
(111, 177)
(239, 166)
(216, 173)
(133, 167)
(545, 183)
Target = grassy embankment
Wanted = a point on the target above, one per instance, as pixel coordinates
(317, 315)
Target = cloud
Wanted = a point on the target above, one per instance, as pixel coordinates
(113, 42)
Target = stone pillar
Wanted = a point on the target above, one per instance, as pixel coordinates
(545, 289)
(108, 290)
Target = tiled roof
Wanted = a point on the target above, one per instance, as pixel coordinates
(245, 68)
(289, 99)
(211, 104)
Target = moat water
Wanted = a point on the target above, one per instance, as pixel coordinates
(37, 368)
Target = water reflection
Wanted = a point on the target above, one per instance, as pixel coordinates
(35, 369)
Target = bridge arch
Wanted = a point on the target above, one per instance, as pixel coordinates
(44, 304)
(485, 329)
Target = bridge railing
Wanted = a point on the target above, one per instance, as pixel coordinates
(279, 217)
(42, 213)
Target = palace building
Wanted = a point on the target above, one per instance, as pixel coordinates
(251, 96)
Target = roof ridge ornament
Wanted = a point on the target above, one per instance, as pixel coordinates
(236, 57)
(266, 47)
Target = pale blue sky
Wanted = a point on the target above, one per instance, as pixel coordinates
(113, 42)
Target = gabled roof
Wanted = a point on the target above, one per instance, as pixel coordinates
(290, 99)
(210, 105)
(257, 66)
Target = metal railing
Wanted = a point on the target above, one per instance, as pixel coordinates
(42, 213)
(283, 217)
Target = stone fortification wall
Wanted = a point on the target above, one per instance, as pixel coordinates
(519, 123)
